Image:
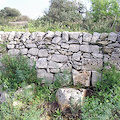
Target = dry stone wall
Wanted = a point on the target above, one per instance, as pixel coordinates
(80, 52)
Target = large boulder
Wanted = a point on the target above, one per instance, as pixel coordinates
(70, 98)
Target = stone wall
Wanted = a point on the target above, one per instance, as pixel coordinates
(81, 53)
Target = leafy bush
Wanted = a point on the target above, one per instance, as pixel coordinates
(105, 104)
(17, 71)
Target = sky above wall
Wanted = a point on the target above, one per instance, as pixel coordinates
(31, 8)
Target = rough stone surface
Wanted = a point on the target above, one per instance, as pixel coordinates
(65, 36)
(87, 37)
(56, 40)
(31, 46)
(24, 51)
(54, 65)
(95, 77)
(13, 52)
(95, 37)
(74, 35)
(81, 77)
(43, 53)
(68, 98)
(33, 51)
(59, 58)
(103, 36)
(92, 64)
(74, 47)
(41, 63)
(112, 36)
(10, 46)
(76, 56)
(47, 77)
(49, 35)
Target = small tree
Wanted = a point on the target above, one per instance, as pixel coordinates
(9, 12)
(104, 9)
(64, 10)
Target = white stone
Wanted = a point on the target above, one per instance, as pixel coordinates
(55, 65)
(65, 45)
(33, 51)
(59, 58)
(87, 37)
(24, 51)
(13, 52)
(68, 98)
(56, 40)
(112, 37)
(42, 53)
(74, 48)
(49, 35)
(95, 37)
(41, 63)
(74, 35)
(10, 46)
(31, 45)
(11, 35)
(57, 34)
(65, 36)
(76, 56)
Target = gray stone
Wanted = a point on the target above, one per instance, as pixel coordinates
(65, 36)
(41, 63)
(103, 42)
(57, 34)
(114, 45)
(107, 50)
(89, 48)
(54, 65)
(31, 45)
(42, 53)
(74, 48)
(24, 51)
(47, 77)
(86, 55)
(59, 58)
(92, 64)
(54, 70)
(56, 40)
(97, 55)
(65, 45)
(25, 36)
(74, 35)
(87, 37)
(33, 51)
(103, 36)
(13, 52)
(76, 56)
(13, 43)
(81, 77)
(49, 35)
(40, 36)
(95, 37)
(66, 67)
(69, 98)
(18, 35)
(33, 35)
(73, 41)
(96, 76)
(80, 40)
(118, 37)
(112, 37)
(10, 46)
(11, 35)
(77, 65)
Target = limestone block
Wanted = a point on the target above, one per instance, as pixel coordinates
(103, 36)
(10, 46)
(108, 50)
(112, 37)
(95, 55)
(81, 77)
(11, 35)
(54, 70)
(31, 45)
(33, 51)
(86, 55)
(74, 47)
(49, 35)
(68, 98)
(76, 56)
(87, 37)
(24, 51)
(40, 36)
(13, 52)
(74, 35)
(41, 63)
(42, 53)
(66, 67)
(59, 58)
(25, 36)
(92, 64)
(33, 35)
(56, 40)
(65, 36)
(95, 77)
(89, 48)
(18, 35)
(115, 45)
(65, 45)
(57, 34)
(54, 65)
(95, 37)
(47, 77)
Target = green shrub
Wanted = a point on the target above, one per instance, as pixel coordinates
(17, 72)
(105, 104)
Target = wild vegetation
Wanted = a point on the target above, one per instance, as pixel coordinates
(66, 15)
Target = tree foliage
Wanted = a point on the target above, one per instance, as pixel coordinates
(64, 10)
(9, 12)
(104, 9)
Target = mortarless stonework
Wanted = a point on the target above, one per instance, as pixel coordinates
(81, 53)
